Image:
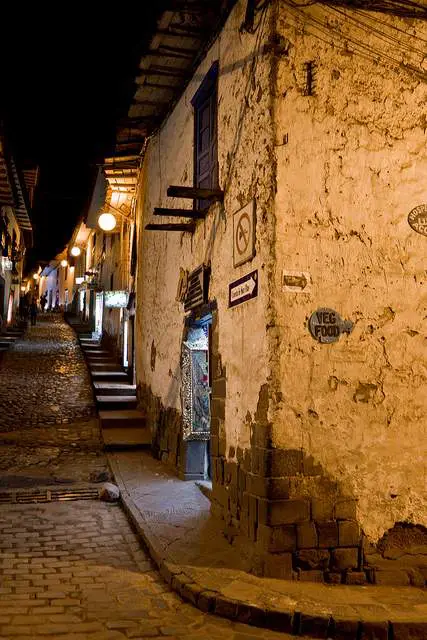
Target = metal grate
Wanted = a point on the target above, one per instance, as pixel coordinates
(48, 495)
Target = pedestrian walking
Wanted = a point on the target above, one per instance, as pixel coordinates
(33, 312)
(43, 300)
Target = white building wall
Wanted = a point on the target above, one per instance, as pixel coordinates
(245, 173)
(353, 167)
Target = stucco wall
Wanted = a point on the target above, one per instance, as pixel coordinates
(245, 172)
(352, 162)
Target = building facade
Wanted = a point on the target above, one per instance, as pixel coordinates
(15, 232)
(279, 323)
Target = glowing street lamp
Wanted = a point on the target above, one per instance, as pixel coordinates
(75, 251)
(64, 263)
(107, 221)
(36, 276)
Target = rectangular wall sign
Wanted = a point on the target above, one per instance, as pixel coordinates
(116, 299)
(243, 289)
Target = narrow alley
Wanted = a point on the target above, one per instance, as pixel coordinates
(73, 569)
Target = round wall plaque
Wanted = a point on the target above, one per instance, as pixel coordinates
(326, 325)
(417, 219)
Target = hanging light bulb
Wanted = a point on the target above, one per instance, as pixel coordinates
(64, 263)
(75, 251)
(107, 221)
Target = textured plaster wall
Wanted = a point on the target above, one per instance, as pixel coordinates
(245, 172)
(352, 163)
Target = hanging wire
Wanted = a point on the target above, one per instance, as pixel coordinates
(363, 50)
(390, 40)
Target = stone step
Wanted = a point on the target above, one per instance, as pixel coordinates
(109, 376)
(97, 354)
(114, 389)
(111, 403)
(126, 438)
(122, 418)
(6, 338)
(111, 367)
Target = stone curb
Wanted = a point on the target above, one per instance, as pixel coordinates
(295, 622)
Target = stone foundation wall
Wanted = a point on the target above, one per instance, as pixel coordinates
(166, 427)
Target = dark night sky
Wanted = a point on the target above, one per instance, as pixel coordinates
(65, 82)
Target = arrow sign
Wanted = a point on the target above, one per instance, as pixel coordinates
(296, 281)
(243, 289)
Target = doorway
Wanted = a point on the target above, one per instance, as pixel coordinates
(196, 392)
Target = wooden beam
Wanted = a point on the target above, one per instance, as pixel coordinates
(196, 214)
(179, 54)
(194, 193)
(187, 226)
(182, 32)
(163, 71)
(158, 85)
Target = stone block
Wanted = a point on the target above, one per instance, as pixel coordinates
(251, 614)
(277, 462)
(311, 467)
(253, 518)
(348, 533)
(355, 577)
(396, 577)
(225, 607)
(218, 408)
(215, 426)
(333, 577)
(214, 446)
(272, 488)
(278, 565)
(345, 509)
(310, 576)
(277, 539)
(219, 388)
(322, 508)
(375, 630)
(309, 559)
(262, 436)
(306, 535)
(315, 626)
(345, 629)
(417, 578)
(327, 534)
(279, 620)
(276, 512)
(191, 592)
(206, 601)
(345, 559)
(409, 630)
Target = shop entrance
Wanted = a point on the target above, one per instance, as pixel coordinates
(196, 391)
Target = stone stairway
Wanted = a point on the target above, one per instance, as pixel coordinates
(123, 426)
(8, 338)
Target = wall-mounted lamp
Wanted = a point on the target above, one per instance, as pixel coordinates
(36, 276)
(75, 251)
(64, 263)
(107, 221)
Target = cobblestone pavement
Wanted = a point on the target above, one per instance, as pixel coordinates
(48, 432)
(43, 378)
(76, 571)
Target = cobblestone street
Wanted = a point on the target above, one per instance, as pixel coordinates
(48, 430)
(74, 569)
